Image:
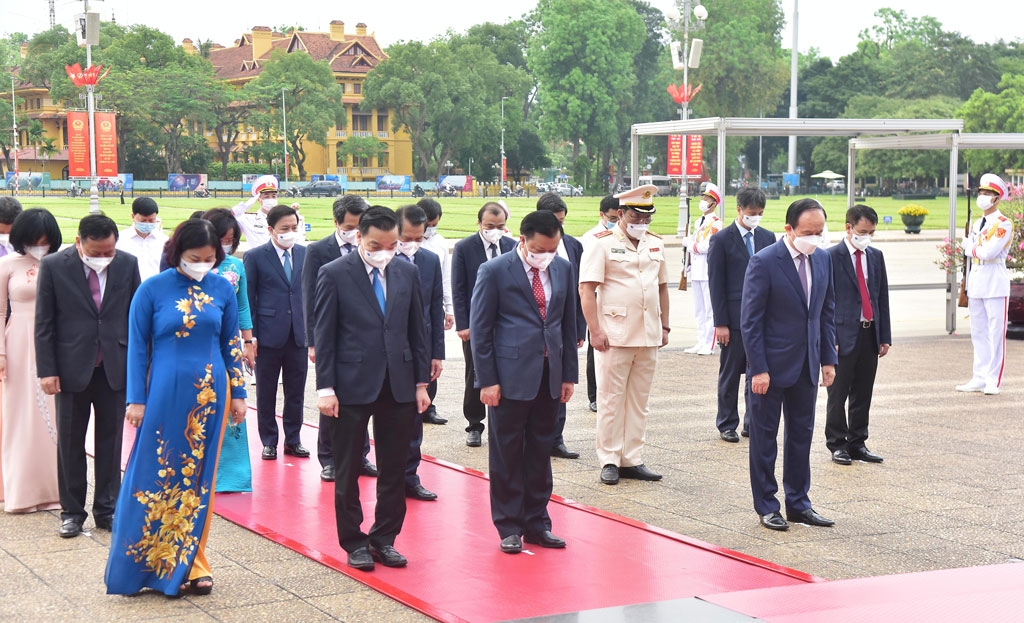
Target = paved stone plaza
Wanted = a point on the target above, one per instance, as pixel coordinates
(949, 494)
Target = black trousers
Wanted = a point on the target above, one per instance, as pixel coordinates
(521, 435)
(72, 421)
(559, 426)
(432, 392)
(392, 429)
(854, 382)
(591, 372)
(731, 364)
(472, 408)
(290, 364)
(323, 442)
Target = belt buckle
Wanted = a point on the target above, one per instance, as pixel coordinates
(866, 324)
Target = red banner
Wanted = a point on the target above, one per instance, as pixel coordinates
(503, 169)
(675, 155)
(78, 144)
(106, 144)
(695, 155)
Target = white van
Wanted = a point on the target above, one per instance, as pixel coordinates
(666, 186)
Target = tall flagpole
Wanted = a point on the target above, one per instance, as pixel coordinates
(14, 129)
(792, 86)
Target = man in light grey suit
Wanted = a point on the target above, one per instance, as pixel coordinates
(523, 323)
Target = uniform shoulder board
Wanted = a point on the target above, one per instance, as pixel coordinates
(604, 234)
(651, 233)
(1002, 218)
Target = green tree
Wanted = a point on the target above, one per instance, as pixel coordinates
(230, 114)
(362, 147)
(999, 111)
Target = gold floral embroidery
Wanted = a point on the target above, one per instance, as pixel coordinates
(191, 306)
(237, 378)
(169, 534)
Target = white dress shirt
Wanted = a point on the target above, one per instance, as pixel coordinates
(487, 246)
(863, 263)
(439, 246)
(796, 264)
(147, 249)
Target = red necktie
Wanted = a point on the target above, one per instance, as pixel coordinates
(862, 284)
(538, 293)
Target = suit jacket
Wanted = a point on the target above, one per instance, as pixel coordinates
(467, 256)
(276, 305)
(69, 329)
(574, 248)
(844, 279)
(432, 291)
(508, 335)
(727, 263)
(318, 253)
(357, 345)
(780, 331)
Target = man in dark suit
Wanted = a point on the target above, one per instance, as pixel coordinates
(569, 249)
(274, 274)
(863, 333)
(81, 339)
(347, 210)
(787, 318)
(467, 256)
(523, 322)
(373, 358)
(728, 254)
(412, 223)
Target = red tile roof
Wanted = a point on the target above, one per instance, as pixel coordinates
(236, 62)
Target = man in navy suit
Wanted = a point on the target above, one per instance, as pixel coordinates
(523, 321)
(347, 210)
(572, 250)
(467, 256)
(412, 223)
(274, 274)
(373, 358)
(787, 318)
(728, 254)
(863, 333)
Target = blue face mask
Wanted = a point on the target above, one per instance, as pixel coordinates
(610, 224)
(145, 228)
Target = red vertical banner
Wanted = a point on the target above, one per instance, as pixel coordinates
(675, 155)
(503, 172)
(106, 144)
(78, 144)
(694, 156)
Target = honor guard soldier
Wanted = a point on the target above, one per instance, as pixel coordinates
(624, 291)
(707, 225)
(988, 286)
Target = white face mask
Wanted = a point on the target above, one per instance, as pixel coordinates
(428, 232)
(985, 201)
(266, 204)
(750, 222)
(492, 235)
(408, 249)
(37, 252)
(807, 244)
(5, 238)
(348, 236)
(706, 205)
(98, 264)
(860, 242)
(637, 230)
(227, 249)
(379, 259)
(196, 270)
(540, 261)
(287, 239)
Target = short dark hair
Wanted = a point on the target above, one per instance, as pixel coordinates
(224, 221)
(413, 214)
(751, 197)
(348, 204)
(279, 212)
(859, 211)
(10, 208)
(146, 206)
(609, 203)
(197, 214)
(194, 233)
(552, 202)
(799, 207)
(431, 207)
(380, 217)
(97, 227)
(33, 224)
(541, 222)
(491, 207)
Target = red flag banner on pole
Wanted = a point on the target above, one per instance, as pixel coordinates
(106, 144)
(504, 171)
(695, 155)
(78, 144)
(675, 155)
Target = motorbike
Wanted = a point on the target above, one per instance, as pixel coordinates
(291, 192)
(201, 193)
(449, 191)
(417, 191)
(505, 192)
(75, 191)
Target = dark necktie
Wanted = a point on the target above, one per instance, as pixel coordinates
(378, 289)
(862, 285)
(494, 250)
(802, 259)
(408, 258)
(346, 248)
(288, 265)
(97, 298)
(749, 239)
(981, 227)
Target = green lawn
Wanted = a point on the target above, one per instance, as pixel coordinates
(460, 214)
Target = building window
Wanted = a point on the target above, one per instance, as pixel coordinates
(382, 123)
(339, 158)
(360, 122)
(383, 161)
(357, 88)
(342, 85)
(360, 161)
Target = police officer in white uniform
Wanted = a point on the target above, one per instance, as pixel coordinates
(708, 225)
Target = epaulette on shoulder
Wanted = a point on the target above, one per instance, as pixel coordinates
(651, 233)
(1002, 217)
(604, 234)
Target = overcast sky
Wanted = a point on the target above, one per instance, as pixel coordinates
(829, 25)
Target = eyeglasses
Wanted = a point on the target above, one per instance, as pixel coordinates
(636, 218)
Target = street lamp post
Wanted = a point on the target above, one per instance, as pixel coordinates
(284, 135)
(448, 167)
(14, 129)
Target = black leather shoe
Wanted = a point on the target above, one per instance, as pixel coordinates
(368, 469)
(269, 453)
(327, 474)
(298, 450)
(545, 539)
(70, 528)
(361, 559)
(388, 556)
(512, 544)
(419, 492)
(431, 417)
(730, 436)
(638, 472)
(593, 406)
(841, 457)
(863, 454)
(744, 432)
(610, 474)
(473, 439)
(810, 518)
(774, 521)
(104, 523)
(560, 451)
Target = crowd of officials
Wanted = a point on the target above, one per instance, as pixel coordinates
(159, 332)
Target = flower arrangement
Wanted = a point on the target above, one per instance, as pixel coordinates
(1013, 209)
(951, 256)
(913, 210)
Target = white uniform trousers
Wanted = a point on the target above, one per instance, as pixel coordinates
(704, 314)
(988, 334)
(624, 378)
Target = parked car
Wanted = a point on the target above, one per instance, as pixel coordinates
(543, 187)
(568, 190)
(837, 185)
(322, 188)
